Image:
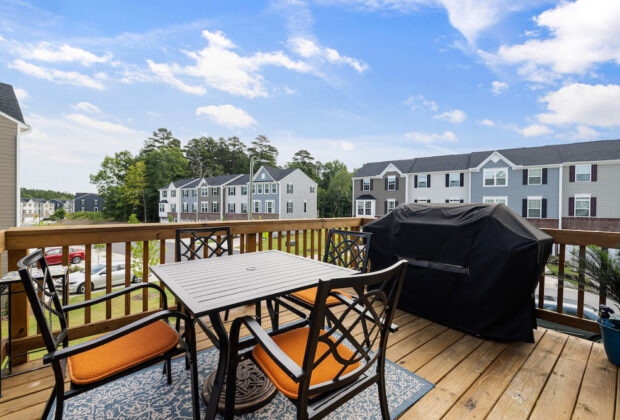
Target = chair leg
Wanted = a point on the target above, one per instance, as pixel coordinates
(195, 388)
(231, 387)
(49, 404)
(226, 314)
(60, 403)
(168, 368)
(383, 402)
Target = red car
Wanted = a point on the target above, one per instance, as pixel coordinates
(54, 256)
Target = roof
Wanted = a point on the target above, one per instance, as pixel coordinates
(278, 173)
(192, 183)
(82, 195)
(221, 179)
(242, 180)
(181, 182)
(590, 151)
(9, 104)
(365, 197)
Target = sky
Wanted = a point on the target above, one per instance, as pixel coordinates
(353, 80)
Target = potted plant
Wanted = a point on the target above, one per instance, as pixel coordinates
(602, 269)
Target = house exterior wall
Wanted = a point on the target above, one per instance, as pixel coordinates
(90, 202)
(8, 173)
(438, 192)
(263, 198)
(237, 199)
(379, 191)
(606, 189)
(301, 193)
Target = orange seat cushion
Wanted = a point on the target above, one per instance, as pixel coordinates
(122, 353)
(309, 295)
(293, 343)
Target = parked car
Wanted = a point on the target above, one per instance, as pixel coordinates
(77, 280)
(53, 256)
(569, 307)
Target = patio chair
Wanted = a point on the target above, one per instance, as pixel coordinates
(108, 357)
(319, 370)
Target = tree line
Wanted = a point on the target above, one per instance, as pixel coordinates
(45, 194)
(129, 184)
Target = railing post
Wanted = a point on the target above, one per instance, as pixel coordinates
(582, 281)
(18, 304)
(251, 242)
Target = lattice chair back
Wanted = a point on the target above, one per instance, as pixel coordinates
(348, 249)
(44, 300)
(203, 243)
(363, 326)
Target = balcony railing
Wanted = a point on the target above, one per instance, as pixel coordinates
(250, 236)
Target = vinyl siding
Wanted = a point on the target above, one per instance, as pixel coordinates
(606, 190)
(301, 192)
(438, 192)
(8, 173)
(379, 191)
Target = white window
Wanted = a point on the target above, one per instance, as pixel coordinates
(256, 207)
(534, 176)
(194, 207)
(262, 176)
(194, 193)
(289, 188)
(244, 190)
(269, 204)
(496, 177)
(215, 192)
(259, 188)
(454, 179)
(215, 207)
(582, 205)
(96, 209)
(422, 181)
(366, 185)
(204, 207)
(534, 207)
(185, 206)
(173, 193)
(83, 202)
(185, 193)
(360, 208)
(83, 208)
(173, 207)
(274, 188)
(311, 189)
(583, 173)
(390, 205)
(422, 200)
(289, 207)
(204, 191)
(368, 208)
(231, 207)
(391, 183)
(232, 191)
(305, 206)
(244, 207)
(454, 200)
(164, 194)
(253, 189)
(495, 200)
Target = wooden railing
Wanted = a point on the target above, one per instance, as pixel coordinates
(250, 236)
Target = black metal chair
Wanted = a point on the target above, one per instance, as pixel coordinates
(95, 362)
(320, 370)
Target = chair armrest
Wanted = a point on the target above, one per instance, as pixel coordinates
(360, 310)
(65, 352)
(68, 308)
(287, 364)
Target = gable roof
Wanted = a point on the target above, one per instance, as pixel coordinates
(82, 195)
(182, 182)
(9, 104)
(242, 180)
(375, 168)
(192, 183)
(221, 179)
(278, 173)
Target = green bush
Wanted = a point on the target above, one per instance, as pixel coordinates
(90, 215)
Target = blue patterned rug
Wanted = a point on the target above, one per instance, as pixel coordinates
(145, 395)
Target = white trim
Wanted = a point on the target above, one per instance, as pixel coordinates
(390, 200)
(581, 197)
(454, 200)
(495, 197)
(590, 173)
(254, 208)
(274, 206)
(469, 188)
(406, 189)
(495, 178)
(527, 206)
(18, 195)
(373, 207)
(541, 175)
(592, 162)
(495, 157)
(560, 199)
(25, 128)
(390, 168)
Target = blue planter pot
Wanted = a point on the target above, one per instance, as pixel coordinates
(610, 331)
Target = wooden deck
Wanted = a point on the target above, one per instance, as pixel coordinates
(556, 377)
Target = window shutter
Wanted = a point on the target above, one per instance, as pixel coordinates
(385, 183)
(571, 174)
(524, 208)
(544, 208)
(594, 173)
(544, 176)
(385, 208)
(571, 206)
(525, 177)
(447, 180)
(415, 201)
(428, 181)
(462, 179)
(361, 185)
(371, 184)
(415, 181)
(428, 201)
(462, 201)
(397, 183)
(447, 201)
(592, 206)
(395, 203)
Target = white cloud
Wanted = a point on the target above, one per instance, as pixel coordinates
(578, 103)
(416, 101)
(307, 48)
(454, 116)
(219, 66)
(535, 130)
(56, 76)
(86, 107)
(227, 115)
(583, 132)
(21, 94)
(47, 52)
(428, 138)
(498, 87)
(487, 122)
(88, 122)
(582, 34)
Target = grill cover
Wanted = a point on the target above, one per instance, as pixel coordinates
(501, 254)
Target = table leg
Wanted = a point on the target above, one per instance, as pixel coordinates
(222, 366)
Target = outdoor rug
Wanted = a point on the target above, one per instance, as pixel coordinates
(145, 395)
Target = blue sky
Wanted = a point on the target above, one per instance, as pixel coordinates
(355, 80)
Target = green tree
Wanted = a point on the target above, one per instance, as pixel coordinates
(329, 170)
(335, 201)
(238, 156)
(134, 188)
(45, 194)
(306, 162)
(59, 214)
(161, 138)
(110, 180)
(202, 154)
(263, 150)
(99, 248)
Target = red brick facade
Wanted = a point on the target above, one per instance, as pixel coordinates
(544, 223)
(591, 223)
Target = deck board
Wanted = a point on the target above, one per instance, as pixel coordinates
(474, 378)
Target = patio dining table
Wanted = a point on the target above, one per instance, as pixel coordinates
(207, 287)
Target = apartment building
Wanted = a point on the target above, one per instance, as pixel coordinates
(87, 202)
(574, 186)
(277, 194)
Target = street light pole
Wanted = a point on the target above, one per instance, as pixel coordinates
(251, 185)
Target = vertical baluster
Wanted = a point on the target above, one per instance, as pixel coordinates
(145, 275)
(251, 242)
(162, 260)
(288, 241)
(297, 247)
(602, 296)
(541, 290)
(581, 277)
(320, 243)
(87, 280)
(280, 233)
(242, 243)
(312, 244)
(19, 309)
(65, 292)
(128, 276)
(561, 261)
(108, 279)
(270, 240)
(305, 239)
(260, 241)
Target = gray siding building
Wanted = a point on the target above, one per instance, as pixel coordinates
(87, 202)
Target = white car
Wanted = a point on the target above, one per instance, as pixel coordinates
(77, 280)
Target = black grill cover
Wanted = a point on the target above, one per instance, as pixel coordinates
(501, 254)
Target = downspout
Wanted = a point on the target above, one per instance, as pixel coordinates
(560, 198)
